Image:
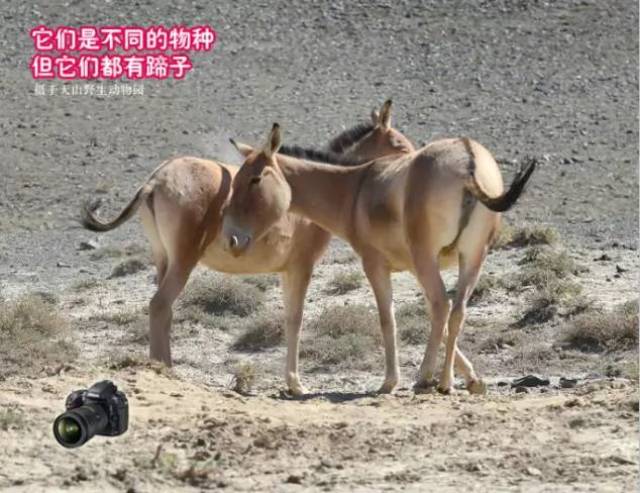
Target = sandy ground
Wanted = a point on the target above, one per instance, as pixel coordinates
(556, 80)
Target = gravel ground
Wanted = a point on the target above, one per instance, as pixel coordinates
(556, 80)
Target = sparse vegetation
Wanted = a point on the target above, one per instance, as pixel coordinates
(33, 335)
(261, 281)
(510, 237)
(121, 317)
(128, 267)
(112, 252)
(345, 281)
(341, 256)
(84, 285)
(412, 322)
(598, 330)
(346, 335)
(485, 286)
(244, 378)
(10, 418)
(219, 295)
(262, 331)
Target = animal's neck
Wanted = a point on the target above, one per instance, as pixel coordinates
(323, 193)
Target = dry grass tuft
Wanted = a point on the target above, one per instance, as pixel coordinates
(260, 332)
(121, 317)
(84, 285)
(598, 330)
(10, 419)
(33, 335)
(219, 295)
(510, 237)
(126, 358)
(344, 281)
(244, 378)
(117, 252)
(412, 322)
(485, 286)
(262, 281)
(345, 335)
(128, 267)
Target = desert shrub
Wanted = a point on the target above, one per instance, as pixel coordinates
(344, 281)
(261, 331)
(526, 236)
(244, 378)
(117, 252)
(10, 418)
(346, 335)
(84, 285)
(120, 317)
(261, 281)
(500, 340)
(598, 330)
(542, 265)
(412, 321)
(340, 256)
(33, 335)
(219, 295)
(544, 303)
(128, 267)
(485, 286)
(531, 355)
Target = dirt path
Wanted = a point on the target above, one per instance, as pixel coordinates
(574, 440)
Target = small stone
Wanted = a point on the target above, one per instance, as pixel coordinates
(87, 245)
(568, 383)
(294, 479)
(522, 390)
(530, 381)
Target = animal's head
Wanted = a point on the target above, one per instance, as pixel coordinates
(380, 140)
(260, 195)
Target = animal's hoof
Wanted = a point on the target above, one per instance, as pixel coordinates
(387, 387)
(297, 390)
(425, 386)
(446, 390)
(477, 387)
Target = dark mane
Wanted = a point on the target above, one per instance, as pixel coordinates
(317, 155)
(349, 137)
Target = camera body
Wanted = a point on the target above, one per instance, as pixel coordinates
(104, 395)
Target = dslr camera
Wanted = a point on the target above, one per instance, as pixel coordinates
(99, 410)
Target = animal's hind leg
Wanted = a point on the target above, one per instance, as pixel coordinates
(295, 282)
(160, 308)
(470, 267)
(428, 274)
(160, 257)
(380, 279)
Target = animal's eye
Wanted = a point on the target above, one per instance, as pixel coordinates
(254, 180)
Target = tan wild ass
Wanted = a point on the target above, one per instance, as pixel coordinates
(181, 206)
(418, 211)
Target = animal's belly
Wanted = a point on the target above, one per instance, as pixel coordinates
(260, 258)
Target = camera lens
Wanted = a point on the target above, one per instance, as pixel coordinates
(76, 427)
(68, 431)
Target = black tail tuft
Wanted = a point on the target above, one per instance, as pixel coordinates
(505, 201)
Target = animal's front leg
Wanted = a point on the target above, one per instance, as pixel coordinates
(379, 277)
(295, 282)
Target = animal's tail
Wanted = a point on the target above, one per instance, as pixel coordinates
(504, 202)
(91, 222)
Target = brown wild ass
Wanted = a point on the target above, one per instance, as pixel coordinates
(181, 206)
(417, 211)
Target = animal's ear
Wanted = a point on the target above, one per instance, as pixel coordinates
(274, 141)
(375, 116)
(243, 149)
(385, 115)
